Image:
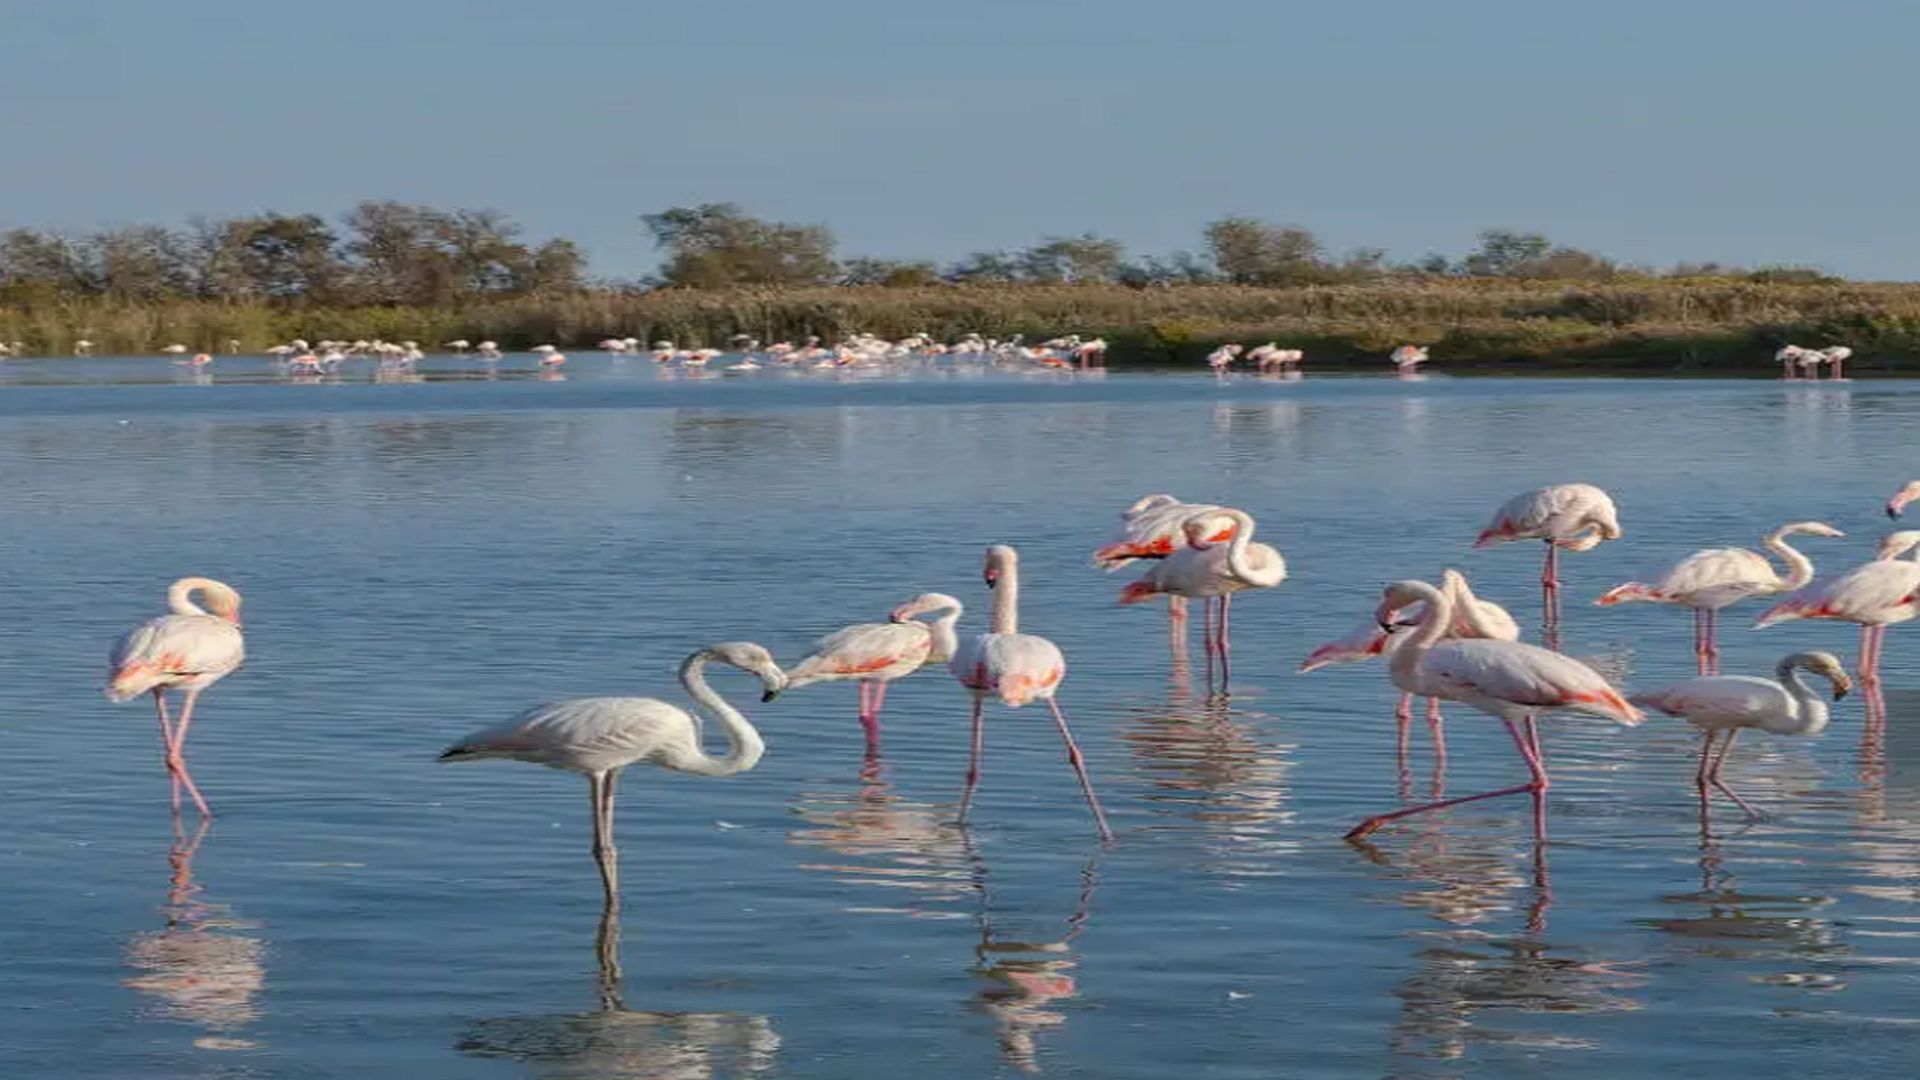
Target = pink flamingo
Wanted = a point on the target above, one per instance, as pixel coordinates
(1508, 679)
(1408, 358)
(875, 654)
(1789, 356)
(597, 737)
(1153, 528)
(188, 650)
(1902, 497)
(1474, 617)
(1875, 595)
(1214, 572)
(1016, 668)
(1576, 517)
(1782, 705)
(1714, 578)
(1837, 356)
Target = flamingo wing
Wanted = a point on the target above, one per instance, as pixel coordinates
(1716, 576)
(1879, 592)
(1722, 701)
(173, 649)
(585, 734)
(1522, 674)
(865, 651)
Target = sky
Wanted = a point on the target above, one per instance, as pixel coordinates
(1653, 131)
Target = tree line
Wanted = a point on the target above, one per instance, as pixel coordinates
(398, 254)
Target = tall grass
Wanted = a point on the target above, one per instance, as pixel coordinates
(1700, 322)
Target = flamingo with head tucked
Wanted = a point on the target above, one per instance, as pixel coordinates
(188, 650)
(1508, 679)
(1715, 578)
(1875, 595)
(1154, 527)
(1717, 704)
(598, 737)
(1576, 517)
(1017, 668)
(875, 654)
(1207, 569)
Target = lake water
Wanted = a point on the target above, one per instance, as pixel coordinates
(420, 559)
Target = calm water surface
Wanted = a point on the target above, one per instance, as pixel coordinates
(420, 559)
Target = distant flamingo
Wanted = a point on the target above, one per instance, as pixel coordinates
(189, 650)
(1508, 679)
(1220, 358)
(1576, 517)
(1154, 527)
(1016, 668)
(877, 653)
(1474, 617)
(1790, 356)
(1714, 578)
(1408, 358)
(600, 736)
(1875, 595)
(1837, 356)
(1208, 570)
(1782, 705)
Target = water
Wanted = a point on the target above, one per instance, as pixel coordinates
(422, 559)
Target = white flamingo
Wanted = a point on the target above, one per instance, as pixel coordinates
(189, 650)
(875, 654)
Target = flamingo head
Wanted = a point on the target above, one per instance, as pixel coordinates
(1000, 560)
(1896, 544)
(1394, 599)
(920, 605)
(1901, 498)
(754, 660)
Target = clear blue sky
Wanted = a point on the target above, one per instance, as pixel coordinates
(1651, 130)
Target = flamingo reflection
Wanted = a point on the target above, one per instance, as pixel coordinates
(198, 968)
(888, 842)
(1026, 977)
(618, 1043)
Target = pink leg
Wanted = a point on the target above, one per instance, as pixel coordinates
(1177, 624)
(1835, 373)
(1699, 642)
(870, 694)
(1713, 775)
(1438, 732)
(1536, 763)
(1206, 636)
(1536, 786)
(1080, 769)
(1713, 641)
(973, 763)
(166, 746)
(1550, 597)
(178, 753)
(1226, 643)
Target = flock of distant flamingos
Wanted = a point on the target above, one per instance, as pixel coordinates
(326, 357)
(1441, 641)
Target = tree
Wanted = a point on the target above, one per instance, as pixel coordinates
(715, 245)
(554, 267)
(141, 263)
(897, 273)
(286, 257)
(1082, 258)
(1248, 251)
(985, 267)
(37, 264)
(1505, 253)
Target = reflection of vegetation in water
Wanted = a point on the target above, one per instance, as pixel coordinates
(198, 969)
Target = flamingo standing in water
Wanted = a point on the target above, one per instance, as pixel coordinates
(599, 736)
(1508, 679)
(1782, 705)
(1474, 617)
(1209, 570)
(1408, 358)
(188, 650)
(878, 653)
(1576, 517)
(1016, 668)
(1714, 578)
(1875, 595)
(1790, 356)
(1837, 356)
(1153, 528)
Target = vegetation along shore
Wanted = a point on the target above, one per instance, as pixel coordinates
(402, 272)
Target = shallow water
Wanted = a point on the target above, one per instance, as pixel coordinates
(420, 559)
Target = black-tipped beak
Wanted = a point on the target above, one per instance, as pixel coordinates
(769, 695)
(1839, 692)
(1386, 625)
(1892, 513)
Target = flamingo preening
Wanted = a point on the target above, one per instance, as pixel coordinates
(1909, 492)
(188, 650)
(1017, 668)
(1875, 595)
(875, 654)
(1508, 679)
(1715, 578)
(1213, 572)
(600, 736)
(1154, 527)
(1727, 704)
(1576, 517)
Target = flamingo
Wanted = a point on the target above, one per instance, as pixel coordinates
(1790, 355)
(189, 650)
(1902, 497)
(1408, 358)
(1016, 668)
(1207, 569)
(1576, 517)
(599, 736)
(1151, 529)
(1508, 679)
(875, 654)
(1219, 358)
(1836, 356)
(1714, 578)
(1474, 617)
(174, 350)
(1875, 595)
(1782, 705)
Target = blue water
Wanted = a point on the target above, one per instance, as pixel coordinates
(420, 559)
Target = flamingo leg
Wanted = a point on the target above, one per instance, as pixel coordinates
(1712, 641)
(166, 743)
(1438, 732)
(1537, 765)
(1699, 643)
(1206, 636)
(600, 795)
(870, 692)
(1079, 764)
(1226, 644)
(973, 763)
(1835, 365)
(176, 753)
(1536, 786)
(1719, 763)
(1177, 623)
(1550, 596)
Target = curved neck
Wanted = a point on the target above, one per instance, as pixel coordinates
(1440, 611)
(1799, 568)
(1812, 713)
(180, 597)
(1466, 609)
(1006, 599)
(945, 640)
(1237, 547)
(744, 745)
